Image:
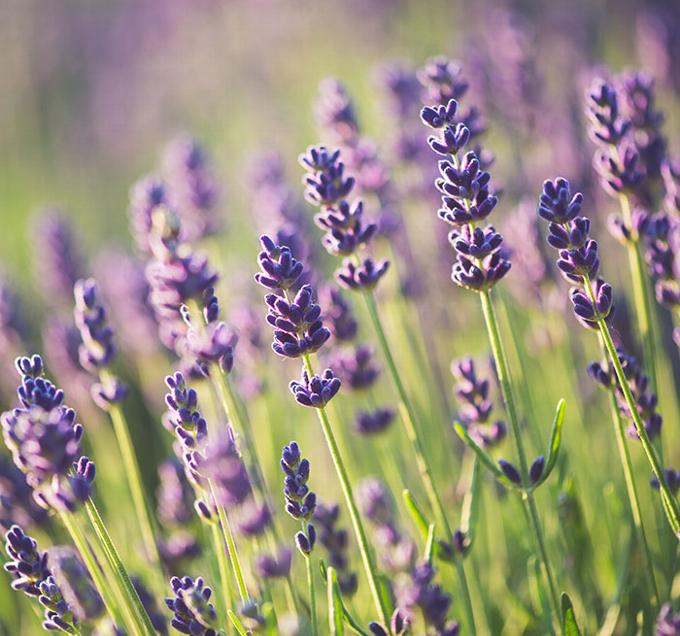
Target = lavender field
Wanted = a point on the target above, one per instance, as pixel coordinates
(340, 318)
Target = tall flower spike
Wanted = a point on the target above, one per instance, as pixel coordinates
(345, 230)
(280, 270)
(28, 566)
(476, 406)
(300, 500)
(466, 202)
(44, 440)
(336, 541)
(193, 613)
(97, 350)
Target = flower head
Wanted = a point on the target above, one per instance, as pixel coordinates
(193, 613)
(315, 391)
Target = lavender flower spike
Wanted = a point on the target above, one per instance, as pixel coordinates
(300, 501)
(97, 350)
(28, 565)
(316, 391)
(193, 613)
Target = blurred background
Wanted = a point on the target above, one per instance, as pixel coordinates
(91, 91)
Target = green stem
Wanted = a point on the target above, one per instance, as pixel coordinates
(231, 547)
(408, 417)
(359, 530)
(312, 592)
(631, 486)
(71, 525)
(641, 295)
(218, 547)
(503, 372)
(465, 593)
(670, 504)
(144, 624)
(134, 479)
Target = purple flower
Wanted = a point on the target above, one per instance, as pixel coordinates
(193, 613)
(183, 416)
(442, 80)
(355, 367)
(97, 349)
(338, 314)
(148, 194)
(175, 495)
(27, 565)
(192, 187)
(59, 265)
(280, 270)
(364, 276)
(668, 621)
(17, 505)
(476, 406)
(335, 111)
(300, 500)
(298, 326)
(336, 541)
(316, 391)
(422, 593)
(274, 566)
(58, 614)
(74, 582)
(223, 465)
(374, 422)
(44, 440)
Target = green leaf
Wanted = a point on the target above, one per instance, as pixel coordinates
(416, 513)
(429, 544)
(470, 512)
(335, 607)
(569, 625)
(461, 431)
(555, 440)
(237, 623)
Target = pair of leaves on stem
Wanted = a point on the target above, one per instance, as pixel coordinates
(508, 474)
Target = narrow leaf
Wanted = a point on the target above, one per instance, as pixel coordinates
(416, 513)
(335, 609)
(555, 440)
(429, 544)
(470, 512)
(569, 625)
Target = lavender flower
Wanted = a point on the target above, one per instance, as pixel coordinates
(97, 350)
(175, 495)
(148, 194)
(28, 566)
(298, 326)
(396, 551)
(17, 505)
(180, 547)
(193, 613)
(645, 399)
(148, 600)
(74, 583)
(274, 566)
(475, 412)
(578, 253)
(356, 368)
(338, 314)
(59, 265)
(280, 270)
(58, 614)
(316, 391)
(668, 621)
(223, 465)
(123, 283)
(466, 201)
(336, 541)
(421, 593)
(300, 501)
(374, 422)
(327, 186)
(44, 440)
(192, 187)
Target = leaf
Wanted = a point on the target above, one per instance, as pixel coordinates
(482, 455)
(555, 440)
(335, 607)
(416, 513)
(569, 625)
(429, 544)
(470, 512)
